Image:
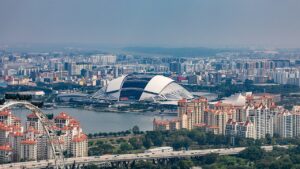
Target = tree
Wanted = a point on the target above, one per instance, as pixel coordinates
(143, 165)
(92, 166)
(124, 147)
(90, 135)
(135, 129)
(252, 153)
(157, 137)
(210, 158)
(136, 143)
(186, 164)
(99, 142)
(248, 83)
(269, 139)
(147, 143)
(107, 148)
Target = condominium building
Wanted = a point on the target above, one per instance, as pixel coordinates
(28, 150)
(5, 153)
(79, 145)
(241, 129)
(296, 121)
(262, 118)
(284, 125)
(242, 115)
(32, 143)
(192, 112)
(161, 125)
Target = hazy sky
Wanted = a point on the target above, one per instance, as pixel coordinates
(152, 22)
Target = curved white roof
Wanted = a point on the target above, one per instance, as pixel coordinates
(236, 99)
(115, 84)
(157, 84)
(146, 88)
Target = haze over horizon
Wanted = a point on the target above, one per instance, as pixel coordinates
(171, 23)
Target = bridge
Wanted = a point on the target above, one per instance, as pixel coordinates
(126, 159)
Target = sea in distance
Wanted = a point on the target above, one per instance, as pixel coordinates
(95, 122)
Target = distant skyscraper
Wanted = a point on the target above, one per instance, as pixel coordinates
(176, 67)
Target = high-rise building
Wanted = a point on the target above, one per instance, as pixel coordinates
(262, 118)
(284, 124)
(176, 67)
(6, 153)
(192, 112)
(240, 129)
(32, 143)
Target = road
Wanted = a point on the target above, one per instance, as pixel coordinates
(129, 157)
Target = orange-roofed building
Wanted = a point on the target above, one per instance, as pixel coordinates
(201, 126)
(4, 133)
(6, 117)
(241, 129)
(192, 112)
(34, 122)
(213, 129)
(62, 120)
(79, 145)
(174, 124)
(5, 153)
(161, 125)
(33, 143)
(29, 150)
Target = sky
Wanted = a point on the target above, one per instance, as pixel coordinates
(171, 23)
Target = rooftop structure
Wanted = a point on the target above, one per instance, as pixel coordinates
(141, 87)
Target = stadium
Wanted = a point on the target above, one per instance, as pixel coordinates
(141, 87)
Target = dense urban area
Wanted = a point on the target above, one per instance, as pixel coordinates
(133, 84)
(218, 99)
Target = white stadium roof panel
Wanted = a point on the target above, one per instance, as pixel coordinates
(157, 84)
(115, 84)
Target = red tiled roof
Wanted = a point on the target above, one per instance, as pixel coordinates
(65, 128)
(28, 142)
(55, 128)
(213, 127)
(200, 125)
(182, 100)
(15, 128)
(161, 122)
(74, 122)
(62, 115)
(5, 113)
(4, 127)
(5, 147)
(219, 103)
(174, 120)
(79, 138)
(32, 115)
(31, 129)
(17, 134)
(57, 141)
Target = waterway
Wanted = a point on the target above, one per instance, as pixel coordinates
(92, 121)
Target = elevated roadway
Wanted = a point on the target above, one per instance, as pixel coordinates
(109, 159)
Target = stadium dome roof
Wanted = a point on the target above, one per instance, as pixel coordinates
(141, 87)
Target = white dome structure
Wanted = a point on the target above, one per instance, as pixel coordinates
(141, 87)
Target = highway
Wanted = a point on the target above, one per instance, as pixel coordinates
(128, 157)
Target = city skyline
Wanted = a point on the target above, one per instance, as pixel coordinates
(156, 23)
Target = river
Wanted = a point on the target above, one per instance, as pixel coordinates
(92, 121)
